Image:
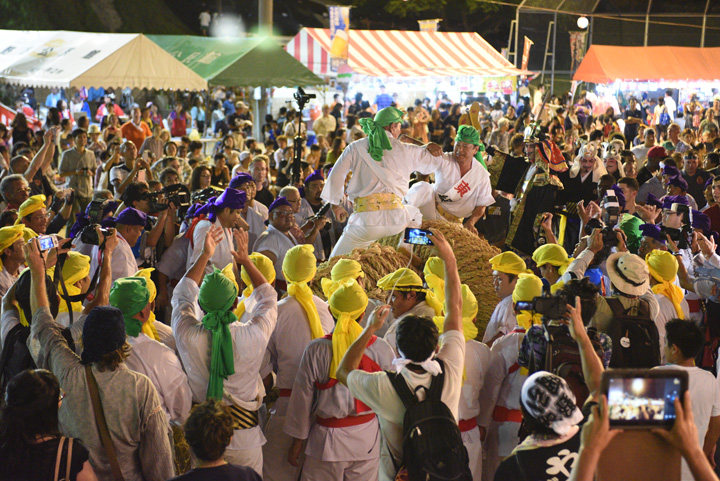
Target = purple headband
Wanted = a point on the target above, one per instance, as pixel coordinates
(678, 181)
(669, 200)
(316, 175)
(278, 202)
(231, 198)
(240, 179)
(653, 231)
(652, 200)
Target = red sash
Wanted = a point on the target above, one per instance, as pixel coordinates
(366, 364)
(466, 425)
(191, 229)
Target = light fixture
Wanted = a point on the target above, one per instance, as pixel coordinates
(583, 22)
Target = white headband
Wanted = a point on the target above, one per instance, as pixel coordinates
(429, 364)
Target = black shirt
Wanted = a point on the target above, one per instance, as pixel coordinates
(40, 461)
(264, 196)
(226, 472)
(696, 186)
(631, 130)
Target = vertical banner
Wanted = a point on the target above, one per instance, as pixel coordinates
(429, 25)
(339, 35)
(577, 48)
(526, 56)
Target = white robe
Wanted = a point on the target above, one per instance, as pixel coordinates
(221, 257)
(244, 388)
(272, 240)
(256, 225)
(123, 260)
(459, 203)
(161, 365)
(502, 319)
(366, 227)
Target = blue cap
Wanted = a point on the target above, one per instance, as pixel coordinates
(240, 179)
(653, 231)
(654, 201)
(678, 181)
(669, 200)
(316, 175)
(132, 216)
(278, 202)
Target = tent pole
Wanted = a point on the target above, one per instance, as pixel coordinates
(702, 35)
(517, 32)
(265, 17)
(547, 45)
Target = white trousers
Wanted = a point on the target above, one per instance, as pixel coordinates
(364, 228)
(471, 441)
(501, 439)
(275, 452)
(316, 469)
(252, 458)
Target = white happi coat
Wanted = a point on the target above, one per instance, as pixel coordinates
(390, 175)
(123, 260)
(221, 257)
(353, 443)
(287, 344)
(245, 387)
(256, 225)
(161, 365)
(502, 319)
(477, 363)
(503, 383)
(457, 195)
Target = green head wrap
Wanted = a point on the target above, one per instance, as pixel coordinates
(130, 295)
(217, 295)
(630, 225)
(469, 135)
(373, 128)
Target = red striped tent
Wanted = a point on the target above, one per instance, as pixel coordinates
(397, 53)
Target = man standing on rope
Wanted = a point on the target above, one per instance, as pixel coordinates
(381, 166)
(462, 184)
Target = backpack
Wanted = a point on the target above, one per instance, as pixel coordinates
(16, 356)
(635, 339)
(432, 443)
(562, 357)
(664, 117)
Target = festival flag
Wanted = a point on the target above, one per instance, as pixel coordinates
(526, 56)
(577, 48)
(339, 35)
(429, 25)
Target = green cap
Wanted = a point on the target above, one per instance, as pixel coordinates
(130, 295)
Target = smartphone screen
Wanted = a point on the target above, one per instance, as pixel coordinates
(644, 400)
(418, 236)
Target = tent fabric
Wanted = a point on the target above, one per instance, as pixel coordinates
(396, 53)
(257, 62)
(81, 59)
(605, 64)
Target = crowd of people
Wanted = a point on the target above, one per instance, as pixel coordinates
(153, 293)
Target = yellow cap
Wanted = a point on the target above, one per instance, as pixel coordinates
(509, 263)
(264, 265)
(347, 303)
(527, 288)
(152, 289)
(230, 274)
(342, 270)
(34, 203)
(402, 279)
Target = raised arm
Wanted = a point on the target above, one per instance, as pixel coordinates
(353, 356)
(40, 160)
(102, 293)
(197, 270)
(453, 288)
(591, 364)
(242, 258)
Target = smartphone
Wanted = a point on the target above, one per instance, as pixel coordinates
(643, 398)
(419, 237)
(47, 242)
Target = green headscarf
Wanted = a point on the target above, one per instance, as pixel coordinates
(373, 128)
(469, 135)
(217, 295)
(630, 225)
(130, 295)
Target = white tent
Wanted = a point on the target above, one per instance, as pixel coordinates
(82, 59)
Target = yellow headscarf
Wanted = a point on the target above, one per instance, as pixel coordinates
(434, 272)
(266, 267)
(401, 280)
(342, 270)
(509, 263)
(148, 327)
(527, 288)
(10, 235)
(552, 254)
(34, 203)
(347, 303)
(76, 267)
(469, 312)
(299, 267)
(663, 266)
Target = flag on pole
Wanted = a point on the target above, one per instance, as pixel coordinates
(526, 55)
(339, 35)
(577, 48)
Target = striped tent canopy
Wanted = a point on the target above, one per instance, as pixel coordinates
(397, 53)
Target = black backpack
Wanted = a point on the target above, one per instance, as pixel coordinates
(635, 338)
(432, 443)
(562, 357)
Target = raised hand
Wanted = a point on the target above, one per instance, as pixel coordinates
(212, 239)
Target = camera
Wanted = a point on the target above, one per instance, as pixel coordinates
(549, 306)
(90, 236)
(302, 98)
(95, 210)
(202, 196)
(47, 242)
(178, 194)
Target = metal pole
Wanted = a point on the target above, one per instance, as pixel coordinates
(647, 23)
(552, 65)
(513, 26)
(702, 35)
(517, 28)
(547, 44)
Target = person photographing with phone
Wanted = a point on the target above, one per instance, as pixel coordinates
(77, 166)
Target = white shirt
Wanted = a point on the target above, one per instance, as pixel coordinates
(502, 319)
(272, 240)
(448, 175)
(261, 209)
(256, 226)
(671, 109)
(640, 152)
(221, 257)
(6, 281)
(376, 391)
(705, 393)
(123, 260)
(245, 387)
(477, 363)
(161, 365)
(667, 313)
